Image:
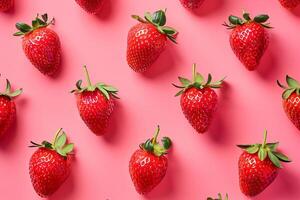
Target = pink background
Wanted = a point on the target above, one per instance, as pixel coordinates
(200, 165)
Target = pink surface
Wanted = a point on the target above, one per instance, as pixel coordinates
(200, 165)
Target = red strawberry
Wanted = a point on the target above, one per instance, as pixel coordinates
(147, 40)
(91, 6)
(291, 99)
(5, 5)
(95, 104)
(50, 164)
(41, 45)
(258, 166)
(249, 39)
(7, 108)
(198, 100)
(289, 3)
(191, 4)
(219, 197)
(148, 165)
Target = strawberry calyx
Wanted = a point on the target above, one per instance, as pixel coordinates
(36, 24)
(219, 197)
(59, 144)
(235, 21)
(293, 86)
(265, 150)
(158, 19)
(106, 90)
(10, 94)
(152, 146)
(197, 82)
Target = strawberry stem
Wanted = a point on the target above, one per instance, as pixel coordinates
(265, 138)
(194, 72)
(87, 76)
(56, 134)
(156, 135)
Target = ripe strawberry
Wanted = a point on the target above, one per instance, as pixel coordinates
(249, 39)
(95, 104)
(5, 5)
(147, 40)
(198, 100)
(148, 165)
(90, 6)
(41, 45)
(258, 166)
(290, 4)
(291, 99)
(7, 108)
(191, 4)
(50, 164)
(219, 197)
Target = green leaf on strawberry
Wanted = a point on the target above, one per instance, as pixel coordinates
(106, 90)
(59, 144)
(154, 147)
(237, 21)
(10, 94)
(197, 82)
(266, 150)
(293, 86)
(37, 23)
(219, 197)
(158, 19)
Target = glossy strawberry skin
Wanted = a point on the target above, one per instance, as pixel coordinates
(289, 3)
(91, 6)
(5, 5)
(95, 110)
(191, 4)
(144, 45)
(198, 106)
(147, 170)
(48, 171)
(291, 107)
(7, 113)
(249, 42)
(255, 175)
(42, 48)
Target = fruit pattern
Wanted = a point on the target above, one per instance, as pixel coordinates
(50, 164)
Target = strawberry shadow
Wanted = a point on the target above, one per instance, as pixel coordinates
(268, 68)
(167, 186)
(106, 10)
(208, 7)
(219, 129)
(164, 64)
(285, 186)
(114, 131)
(68, 186)
(295, 11)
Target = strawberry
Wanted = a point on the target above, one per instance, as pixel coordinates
(259, 165)
(219, 197)
(148, 165)
(41, 45)
(249, 39)
(95, 104)
(291, 99)
(198, 99)
(290, 4)
(191, 4)
(7, 108)
(147, 40)
(5, 5)
(90, 6)
(50, 164)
